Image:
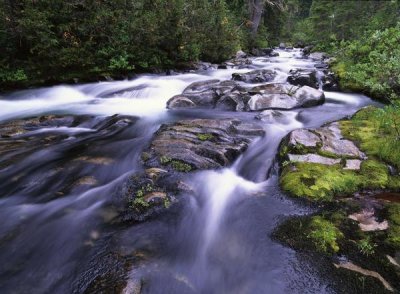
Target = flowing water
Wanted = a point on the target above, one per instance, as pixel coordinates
(57, 237)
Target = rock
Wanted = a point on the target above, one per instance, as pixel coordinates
(317, 56)
(207, 94)
(303, 77)
(329, 81)
(367, 221)
(351, 266)
(282, 46)
(180, 101)
(289, 48)
(307, 50)
(270, 116)
(200, 144)
(155, 197)
(333, 142)
(313, 158)
(308, 97)
(282, 96)
(233, 102)
(200, 86)
(321, 65)
(305, 138)
(274, 54)
(353, 164)
(241, 54)
(255, 76)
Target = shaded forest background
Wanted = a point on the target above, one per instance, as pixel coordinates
(45, 41)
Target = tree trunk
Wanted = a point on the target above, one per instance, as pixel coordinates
(256, 11)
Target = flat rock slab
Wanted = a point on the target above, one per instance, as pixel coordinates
(304, 137)
(333, 142)
(367, 221)
(313, 158)
(200, 144)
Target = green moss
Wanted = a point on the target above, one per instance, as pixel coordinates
(323, 182)
(176, 164)
(164, 160)
(145, 156)
(324, 234)
(369, 129)
(394, 225)
(140, 203)
(180, 166)
(317, 181)
(205, 137)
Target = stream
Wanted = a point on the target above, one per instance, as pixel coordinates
(57, 233)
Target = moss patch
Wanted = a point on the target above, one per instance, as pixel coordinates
(205, 137)
(324, 234)
(176, 164)
(393, 238)
(372, 131)
(324, 182)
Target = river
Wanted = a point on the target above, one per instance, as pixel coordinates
(59, 237)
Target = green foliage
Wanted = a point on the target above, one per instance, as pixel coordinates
(324, 235)
(372, 64)
(366, 246)
(325, 23)
(44, 41)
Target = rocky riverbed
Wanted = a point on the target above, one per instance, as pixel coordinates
(151, 196)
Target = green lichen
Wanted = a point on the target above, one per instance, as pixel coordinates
(324, 235)
(205, 137)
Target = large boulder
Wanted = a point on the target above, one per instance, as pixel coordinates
(303, 77)
(317, 56)
(201, 86)
(255, 76)
(204, 94)
(199, 144)
(283, 96)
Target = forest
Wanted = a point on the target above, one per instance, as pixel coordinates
(44, 41)
(199, 146)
